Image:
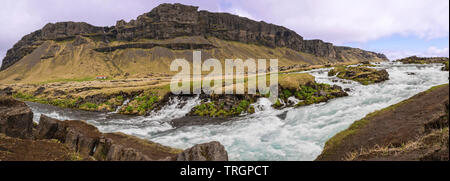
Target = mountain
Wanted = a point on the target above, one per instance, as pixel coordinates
(76, 50)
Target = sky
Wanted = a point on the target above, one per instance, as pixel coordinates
(397, 28)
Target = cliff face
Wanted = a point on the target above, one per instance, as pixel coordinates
(169, 21)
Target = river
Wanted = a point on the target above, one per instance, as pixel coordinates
(300, 134)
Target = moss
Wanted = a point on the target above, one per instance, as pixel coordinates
(294, 81)
(63, 103)
(361, 74)
(120, 98)
(216, 109)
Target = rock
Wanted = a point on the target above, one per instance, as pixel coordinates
(78, 135)
(16, 118)
(212, 151)
(79, 40)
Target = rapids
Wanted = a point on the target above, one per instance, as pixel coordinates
(269, 134)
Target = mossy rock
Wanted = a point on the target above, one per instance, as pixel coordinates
(361, 74)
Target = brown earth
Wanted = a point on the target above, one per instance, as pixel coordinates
(415, 129)
(14, 149)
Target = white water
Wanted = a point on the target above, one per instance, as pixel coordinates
(264, 135)
(120, 107)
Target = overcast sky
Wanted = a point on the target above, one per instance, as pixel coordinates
(397, 28)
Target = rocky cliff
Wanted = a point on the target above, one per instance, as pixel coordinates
(169, 21)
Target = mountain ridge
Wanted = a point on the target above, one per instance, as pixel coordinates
(175, 20)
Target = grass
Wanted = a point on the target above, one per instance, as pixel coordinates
(361, 74)
(142, 103)
(216, 109)
(295, 81)
(437, 138)
(64, 103)
(69, 80)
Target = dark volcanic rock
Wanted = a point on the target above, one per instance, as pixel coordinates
(212, 151)
(174, 20)
(86, 140)
(16, 119)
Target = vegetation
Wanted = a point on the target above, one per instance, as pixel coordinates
(445, 68)
(217, 109)
(141, 104)
(64, 103)
(310, 93)
(436, 139)
(361, 74)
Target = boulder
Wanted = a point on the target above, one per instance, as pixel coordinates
(16, 118)
(78, 135)
(212, 151)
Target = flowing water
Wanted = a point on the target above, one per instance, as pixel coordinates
(299, 134)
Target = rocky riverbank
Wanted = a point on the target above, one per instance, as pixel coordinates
(53, 139)
(415, 129)
(426, 60)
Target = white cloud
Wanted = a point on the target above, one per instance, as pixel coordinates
(430, 52)
(354, 20)
(433, 51)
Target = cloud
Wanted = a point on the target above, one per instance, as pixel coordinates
(430, 52)
(2, 55)
(354, 20)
